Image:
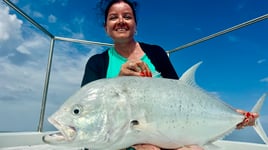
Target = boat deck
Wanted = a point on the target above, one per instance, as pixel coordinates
(33, 141)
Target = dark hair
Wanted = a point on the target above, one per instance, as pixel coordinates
(105, 5)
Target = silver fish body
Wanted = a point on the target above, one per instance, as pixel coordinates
(119, 112)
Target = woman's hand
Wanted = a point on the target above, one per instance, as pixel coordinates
(249, 119)
(152, 147)
(145, 147)
(191, 147)
(135, 68)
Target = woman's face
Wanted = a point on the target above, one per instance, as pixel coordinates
(120, 24)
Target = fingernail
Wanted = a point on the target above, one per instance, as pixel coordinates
(150, 74)
(130, 148)
(147, 73)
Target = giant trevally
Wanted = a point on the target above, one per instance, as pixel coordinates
(119, 112)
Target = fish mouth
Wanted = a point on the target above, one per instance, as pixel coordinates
(66, 134)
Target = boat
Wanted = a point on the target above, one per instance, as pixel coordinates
(33, 140)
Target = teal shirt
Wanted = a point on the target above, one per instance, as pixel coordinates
(116, 61)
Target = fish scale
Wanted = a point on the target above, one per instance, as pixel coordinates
(119, 112)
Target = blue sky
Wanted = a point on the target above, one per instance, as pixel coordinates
(234, 65)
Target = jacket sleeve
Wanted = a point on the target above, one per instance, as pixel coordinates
(96, 68)
(165, 67)
(160, 60)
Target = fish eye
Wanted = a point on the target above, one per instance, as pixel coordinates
(77, 109)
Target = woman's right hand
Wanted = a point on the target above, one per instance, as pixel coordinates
(152, 147)
(135, 68)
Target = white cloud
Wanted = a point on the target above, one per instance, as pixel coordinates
(15, 1)
(37, 14)
(64, 2)
(240, 7)
(78, 20)
(10, 30)
(32, 44)
(51, 1)
(197, 29)
(72, 34)
(31, 12)
(23, 62)
(261, 61)
(232, 38)
(264, 80)
(27, 9)
(52, 18)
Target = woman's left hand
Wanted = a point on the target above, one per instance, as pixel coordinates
(135, 68)
(249, 120)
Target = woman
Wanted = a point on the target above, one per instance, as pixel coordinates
(128, 57)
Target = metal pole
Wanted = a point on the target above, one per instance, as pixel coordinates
(45, 90)
(219, 33)
(82, 41)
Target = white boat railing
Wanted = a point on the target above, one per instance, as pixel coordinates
(55, 38)
(252, 21)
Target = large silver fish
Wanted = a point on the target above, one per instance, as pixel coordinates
(120, 112)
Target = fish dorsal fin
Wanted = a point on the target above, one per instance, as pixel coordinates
(189, 75)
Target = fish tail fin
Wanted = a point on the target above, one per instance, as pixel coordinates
(258, 127)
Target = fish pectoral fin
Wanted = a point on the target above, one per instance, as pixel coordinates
(138, 125)
(134, 122)
(148, 129)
